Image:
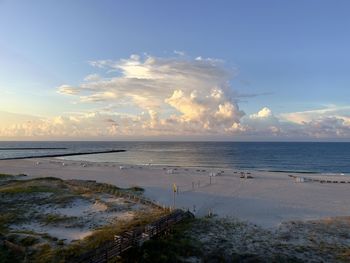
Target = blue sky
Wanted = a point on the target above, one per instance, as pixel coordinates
(288, 56)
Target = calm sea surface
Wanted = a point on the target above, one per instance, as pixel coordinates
(272, 156)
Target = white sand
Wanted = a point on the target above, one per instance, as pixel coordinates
(63, 233)
(89, 214)
(266, 200)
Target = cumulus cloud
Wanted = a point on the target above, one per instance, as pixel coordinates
(263, 123)
(178, 96)
(328, 127)
(90, 124)
(329, 122)
(189, 95)
(264, 113)
(301, 117)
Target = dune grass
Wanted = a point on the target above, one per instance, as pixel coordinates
(19, 203)
(50, 219)
(28, 189)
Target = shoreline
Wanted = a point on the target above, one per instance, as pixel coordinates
(249, 169)
(268, 199)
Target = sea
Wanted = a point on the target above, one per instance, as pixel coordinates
(303, 157)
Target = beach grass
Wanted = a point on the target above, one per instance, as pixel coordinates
(56, 219)
(28, 189)
(24, 202)
(231, 240)
(107, 233)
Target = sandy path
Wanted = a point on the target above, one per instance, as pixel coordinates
(266, 200)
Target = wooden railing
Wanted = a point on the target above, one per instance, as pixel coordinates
(132, 238)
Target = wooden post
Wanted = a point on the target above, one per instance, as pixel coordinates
(174, 200)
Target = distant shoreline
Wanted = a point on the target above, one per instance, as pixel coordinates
(62, 155)
(304, 158)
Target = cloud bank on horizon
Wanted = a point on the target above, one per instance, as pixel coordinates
(173, 97)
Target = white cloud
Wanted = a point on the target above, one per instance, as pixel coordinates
(108, 124)
(67, 90)
(301, 117)
(263, 123)
(330, 122)
(327, 127)
(180, 53)
(177, 93)
(151, 96)
(92, 77)
(262, 114)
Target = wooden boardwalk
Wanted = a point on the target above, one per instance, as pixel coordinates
(132, 238)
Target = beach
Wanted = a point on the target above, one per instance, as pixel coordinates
(266, 200)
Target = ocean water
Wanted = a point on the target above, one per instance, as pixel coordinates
(271, 156)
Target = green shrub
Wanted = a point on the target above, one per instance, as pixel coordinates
(136, 189)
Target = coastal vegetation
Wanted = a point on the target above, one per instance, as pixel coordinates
(50, 220)
(230, 240)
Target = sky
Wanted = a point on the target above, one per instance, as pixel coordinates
(175, 70)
